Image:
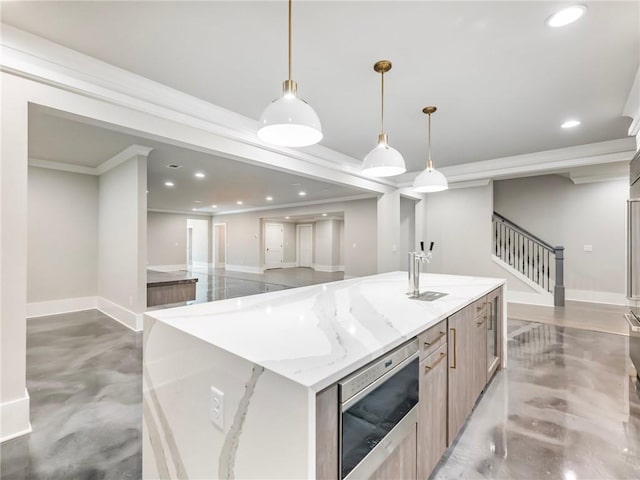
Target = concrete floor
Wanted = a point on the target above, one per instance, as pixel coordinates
(598, 317)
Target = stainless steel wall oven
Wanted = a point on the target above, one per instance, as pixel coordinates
(378, 408)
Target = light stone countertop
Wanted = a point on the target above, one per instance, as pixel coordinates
(318, 334)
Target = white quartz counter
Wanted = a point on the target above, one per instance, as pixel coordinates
(318, 334)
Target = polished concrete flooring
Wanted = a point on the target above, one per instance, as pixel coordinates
(84, 376)
(567, 408)
(598, 317)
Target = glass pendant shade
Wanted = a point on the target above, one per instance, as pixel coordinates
(289, 121)
(430, 180)
(383, 160)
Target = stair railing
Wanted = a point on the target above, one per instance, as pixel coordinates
(534, 258)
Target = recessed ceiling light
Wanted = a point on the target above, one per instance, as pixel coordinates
(239, 202)
(296, 184)
(566, 16)
(168, 184)
(302, 194)
(199, 174)
(269, 199)
(287, 218)
(570, 124)
(197, 201)
(194, 209)
(214, 206)
(324, 214)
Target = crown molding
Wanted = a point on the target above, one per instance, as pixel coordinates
(121, 157)
(539, 163)
(632, 106)
(178, 212)
(299, 204)
(29, 56)
(63, 167)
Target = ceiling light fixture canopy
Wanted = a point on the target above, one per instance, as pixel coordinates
(383, 161)
(430, 180)
(289, 121)
(566, 16)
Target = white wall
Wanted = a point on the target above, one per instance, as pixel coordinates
(407, 231)
(201, 230)
(562, 213)
(62, 251)
(360, 235)
(388, 231)
(166, 239)
(289, 242)
(459, 222)
(122, 236)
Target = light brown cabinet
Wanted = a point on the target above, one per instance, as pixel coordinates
(478, 342)
(460, 370)
(401, 464)
(494, 331)
(432, 410)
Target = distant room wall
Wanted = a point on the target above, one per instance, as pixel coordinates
(166, 239)
(62, 239)
(407, 231)
(201, 231)
(563, 213)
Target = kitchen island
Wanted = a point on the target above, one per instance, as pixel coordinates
(232, 389)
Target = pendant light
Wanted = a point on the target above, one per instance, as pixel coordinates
(383, 161)
(289, 121)
(430, 180)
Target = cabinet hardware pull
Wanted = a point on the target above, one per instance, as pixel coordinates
(453, 330)
(490, 308)
(484, 319)
(442, 334)
(440, 358)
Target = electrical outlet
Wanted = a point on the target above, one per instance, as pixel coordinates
(217, 408)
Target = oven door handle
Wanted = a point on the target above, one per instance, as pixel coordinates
(372, 386)
(634, 325)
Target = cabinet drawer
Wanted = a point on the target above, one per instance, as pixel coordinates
(430, 362)
(479, 307)
(431, 339)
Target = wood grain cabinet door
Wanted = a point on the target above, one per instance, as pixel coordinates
(401, 464)
(460, 370)
(432, 411)
(479, 355)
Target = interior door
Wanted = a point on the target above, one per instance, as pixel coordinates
(273, 241)
(305, 245)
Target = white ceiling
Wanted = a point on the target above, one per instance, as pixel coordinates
(54, 138)
(503, 81)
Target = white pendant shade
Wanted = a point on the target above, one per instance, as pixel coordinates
(289, 121)
(383, 161)
(430, 180)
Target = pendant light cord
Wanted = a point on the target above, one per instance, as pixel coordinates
(382, 104)
(290, 1)
(429, 164)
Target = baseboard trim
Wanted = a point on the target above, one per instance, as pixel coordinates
(589, 296)
(65, 305)
(129, 319)
(14, 418)
(328, 268)
(167, 268)
(243, 268)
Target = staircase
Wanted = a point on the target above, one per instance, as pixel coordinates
(537, 260)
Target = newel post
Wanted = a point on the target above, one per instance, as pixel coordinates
(558, 290)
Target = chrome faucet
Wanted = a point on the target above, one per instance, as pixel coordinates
(415, 259)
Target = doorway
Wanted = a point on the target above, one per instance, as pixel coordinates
(220, 245)
(273, 243)
(304, 251)
(197, 242)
